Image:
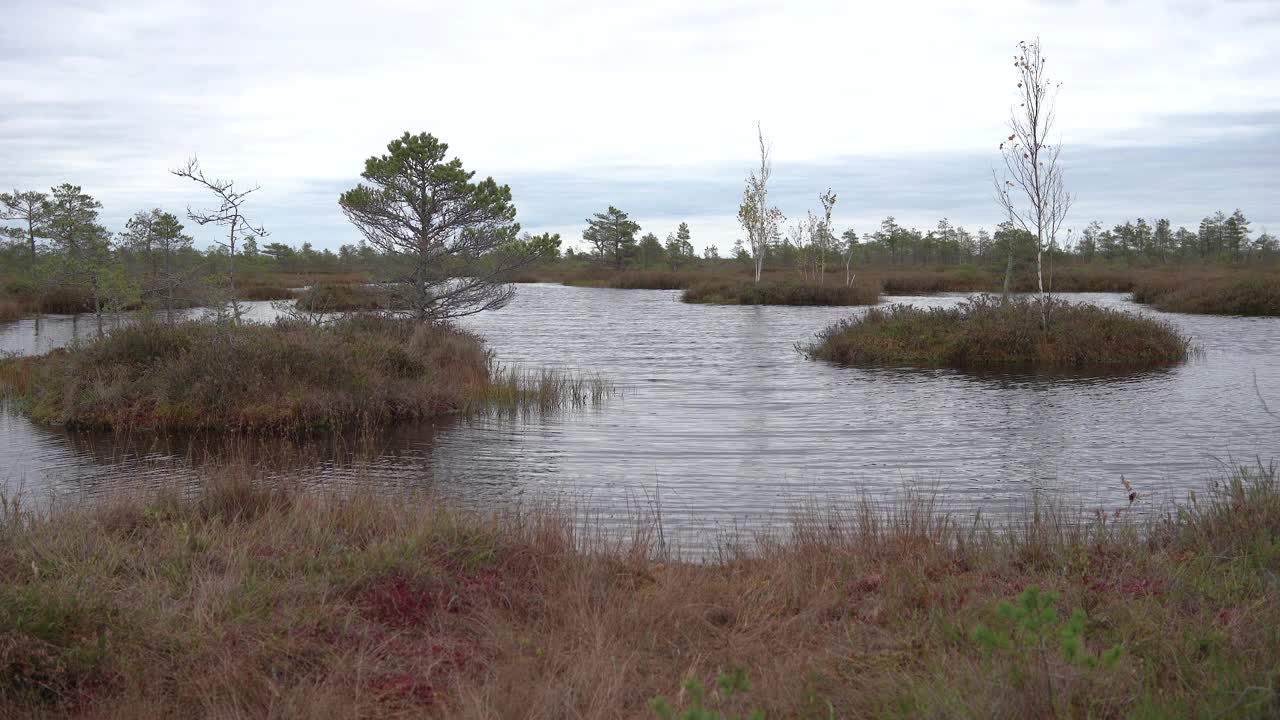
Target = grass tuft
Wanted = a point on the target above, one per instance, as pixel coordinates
(990, 332)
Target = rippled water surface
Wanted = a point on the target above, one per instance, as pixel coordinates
(723, 424)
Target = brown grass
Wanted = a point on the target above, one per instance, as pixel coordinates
(349, 298)
(1256, 295)
(773, 292)
(987, 332)
(251, 600)
(909, 280)
(287, 378)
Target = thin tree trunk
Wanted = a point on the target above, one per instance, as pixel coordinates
(1008, 272)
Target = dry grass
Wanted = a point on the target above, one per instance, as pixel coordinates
(987, 332)
(350, 298)
(260, 291)
(772, 292)
(637, 279)
(287, 378)
(250, 600)
(1256, 295)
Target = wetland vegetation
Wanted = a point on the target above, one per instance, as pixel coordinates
(252, 598)
(987, 332)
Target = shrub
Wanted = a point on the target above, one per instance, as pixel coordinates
(988, 332)
(780, 293)
(1028, 632)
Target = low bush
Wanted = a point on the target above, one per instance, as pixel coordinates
(780, 293)
(988, 332)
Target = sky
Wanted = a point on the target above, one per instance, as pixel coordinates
(1166, 108)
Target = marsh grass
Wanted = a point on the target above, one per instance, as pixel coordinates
(288, 378)
(990, 332)
(350, 298)
(512, 389)
(1257, 295)
(638, 279)
(780, 293)
(263, 292)
(246, 598)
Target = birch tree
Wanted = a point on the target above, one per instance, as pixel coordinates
(1031, 189)
(229, 215)
(760, 221)
(824, 238)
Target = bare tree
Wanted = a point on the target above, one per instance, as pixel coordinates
(1031, 190)
(228, 215)
(758, 219)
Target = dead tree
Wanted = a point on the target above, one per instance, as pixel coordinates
(228, 215)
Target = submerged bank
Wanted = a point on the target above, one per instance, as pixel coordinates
(249, 599)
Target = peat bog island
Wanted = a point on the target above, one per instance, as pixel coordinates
(623, 403)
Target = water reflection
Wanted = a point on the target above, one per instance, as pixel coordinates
(728, 426)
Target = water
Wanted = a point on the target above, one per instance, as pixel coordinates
(724, 425)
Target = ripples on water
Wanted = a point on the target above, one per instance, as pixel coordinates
(725, 425)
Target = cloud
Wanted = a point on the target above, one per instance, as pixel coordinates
(1168, 107)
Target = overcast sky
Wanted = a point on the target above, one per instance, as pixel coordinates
(1167, 109)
